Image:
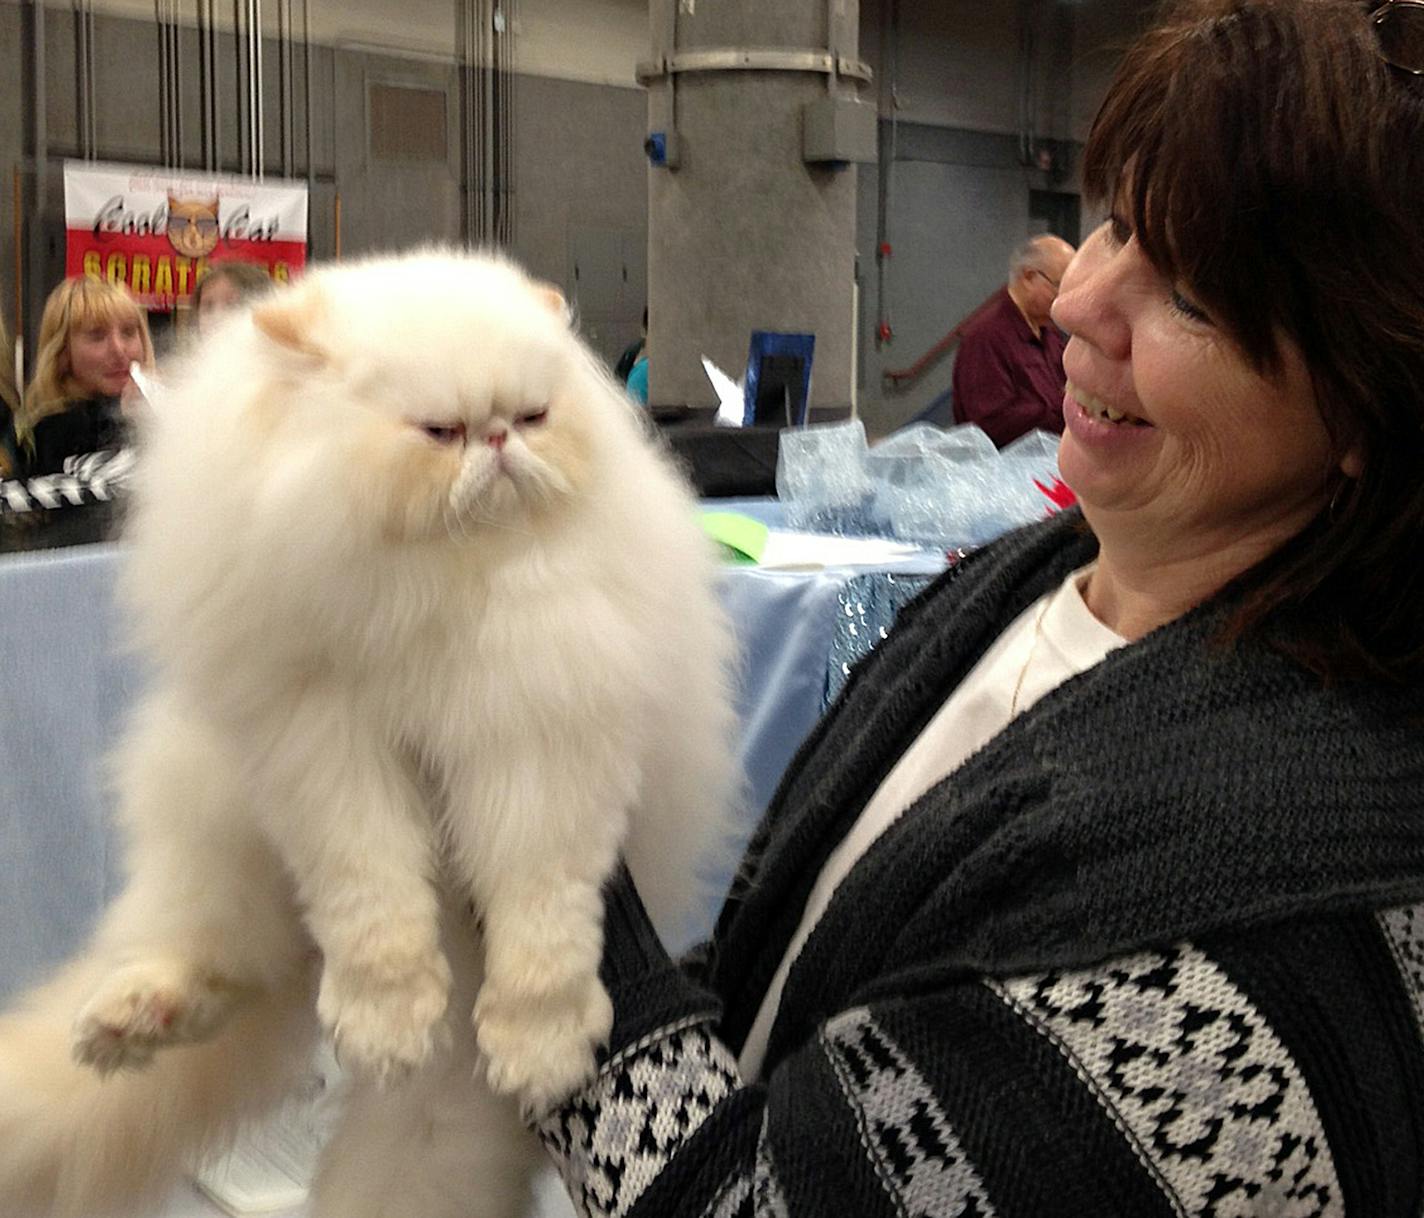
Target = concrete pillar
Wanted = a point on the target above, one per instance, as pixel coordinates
(744, 233)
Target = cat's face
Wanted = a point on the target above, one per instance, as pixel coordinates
(450, 389)
(193, 225)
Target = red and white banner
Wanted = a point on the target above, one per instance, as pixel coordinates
(156, 231)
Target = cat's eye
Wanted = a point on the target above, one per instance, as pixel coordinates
(533, 419)
(444, 433)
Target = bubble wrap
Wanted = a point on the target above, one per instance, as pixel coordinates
(949, 489)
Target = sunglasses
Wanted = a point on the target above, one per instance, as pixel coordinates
(1399, 26)
(204, 224)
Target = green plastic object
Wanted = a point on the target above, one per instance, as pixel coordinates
(742, 538)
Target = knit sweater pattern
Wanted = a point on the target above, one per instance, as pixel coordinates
(1156, 949)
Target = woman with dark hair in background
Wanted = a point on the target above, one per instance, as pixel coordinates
(90, 334)
(1098, 891)
(225, 286)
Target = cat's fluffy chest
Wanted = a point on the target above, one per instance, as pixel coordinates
(475, 659)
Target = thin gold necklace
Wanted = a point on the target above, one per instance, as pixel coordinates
(1028, 663)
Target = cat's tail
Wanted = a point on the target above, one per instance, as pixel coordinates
(78, 1143)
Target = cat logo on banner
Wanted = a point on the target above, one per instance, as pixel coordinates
(156, 230)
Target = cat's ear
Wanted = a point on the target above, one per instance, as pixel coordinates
(291, 318)
(552, 299)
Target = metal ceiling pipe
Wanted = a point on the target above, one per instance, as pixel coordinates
(159, 27)
(255, 100)
(208, 83)
(284, 63)
(37, 254)
(83, 17)
(176, 36)
(239, 83)
(307, 87)
(258, 100)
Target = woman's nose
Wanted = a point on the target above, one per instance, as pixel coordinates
(1090, 302)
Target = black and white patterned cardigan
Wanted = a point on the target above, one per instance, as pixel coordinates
(1157, 949)
(86, 479)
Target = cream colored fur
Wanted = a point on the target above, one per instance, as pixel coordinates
(433, 637)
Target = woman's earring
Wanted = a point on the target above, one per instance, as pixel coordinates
(1335, 498)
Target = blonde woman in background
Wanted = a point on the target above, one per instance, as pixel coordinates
(9, 403)
(90, 333)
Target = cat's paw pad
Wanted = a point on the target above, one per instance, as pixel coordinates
(384, 1015)
(146, 1007)
(540, 1047)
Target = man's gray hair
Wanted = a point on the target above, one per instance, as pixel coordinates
(1029, 256)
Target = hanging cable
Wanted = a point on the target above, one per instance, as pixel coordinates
(307, 88)
(175, 40)
(285, 123)
(254, 59)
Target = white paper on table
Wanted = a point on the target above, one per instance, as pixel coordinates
(264, 1172)
(731, 403)
(812, 551)
(272, 1165)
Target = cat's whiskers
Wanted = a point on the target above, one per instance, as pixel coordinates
(464, 512)
(490, 522)
(451, 520)
(455, 518)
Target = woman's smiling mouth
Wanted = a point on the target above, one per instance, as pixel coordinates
(1095, 408)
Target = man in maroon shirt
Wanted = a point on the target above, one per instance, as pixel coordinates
(1008, 373)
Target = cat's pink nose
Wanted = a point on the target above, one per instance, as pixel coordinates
(496, 439)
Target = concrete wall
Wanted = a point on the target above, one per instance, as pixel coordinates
(971, 86)
(578, 162)
(597, 41)
(957, 201)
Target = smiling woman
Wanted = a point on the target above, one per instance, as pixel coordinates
(1254, 303)
(1100, 890)
(90, 333)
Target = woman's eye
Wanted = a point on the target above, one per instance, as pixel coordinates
(444, 433)
(1193, 312)
(1119, 230)
(533, 419)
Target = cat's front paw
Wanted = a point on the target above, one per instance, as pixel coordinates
(384, 1012)
(147, 1006)
(540, 1047)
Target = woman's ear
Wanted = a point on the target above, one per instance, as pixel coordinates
(291, 319)
(1352, 464)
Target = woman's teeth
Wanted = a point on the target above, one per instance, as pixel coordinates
(1102, 411)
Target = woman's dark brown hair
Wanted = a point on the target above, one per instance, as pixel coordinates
(1270, 162)
(247, 277)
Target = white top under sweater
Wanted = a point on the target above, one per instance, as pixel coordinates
(1053, 639)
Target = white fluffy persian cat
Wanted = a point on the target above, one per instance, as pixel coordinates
(433, 636)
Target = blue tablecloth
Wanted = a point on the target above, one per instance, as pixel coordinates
(67, 683)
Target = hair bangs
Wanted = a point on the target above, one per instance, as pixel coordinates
(94, 302)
